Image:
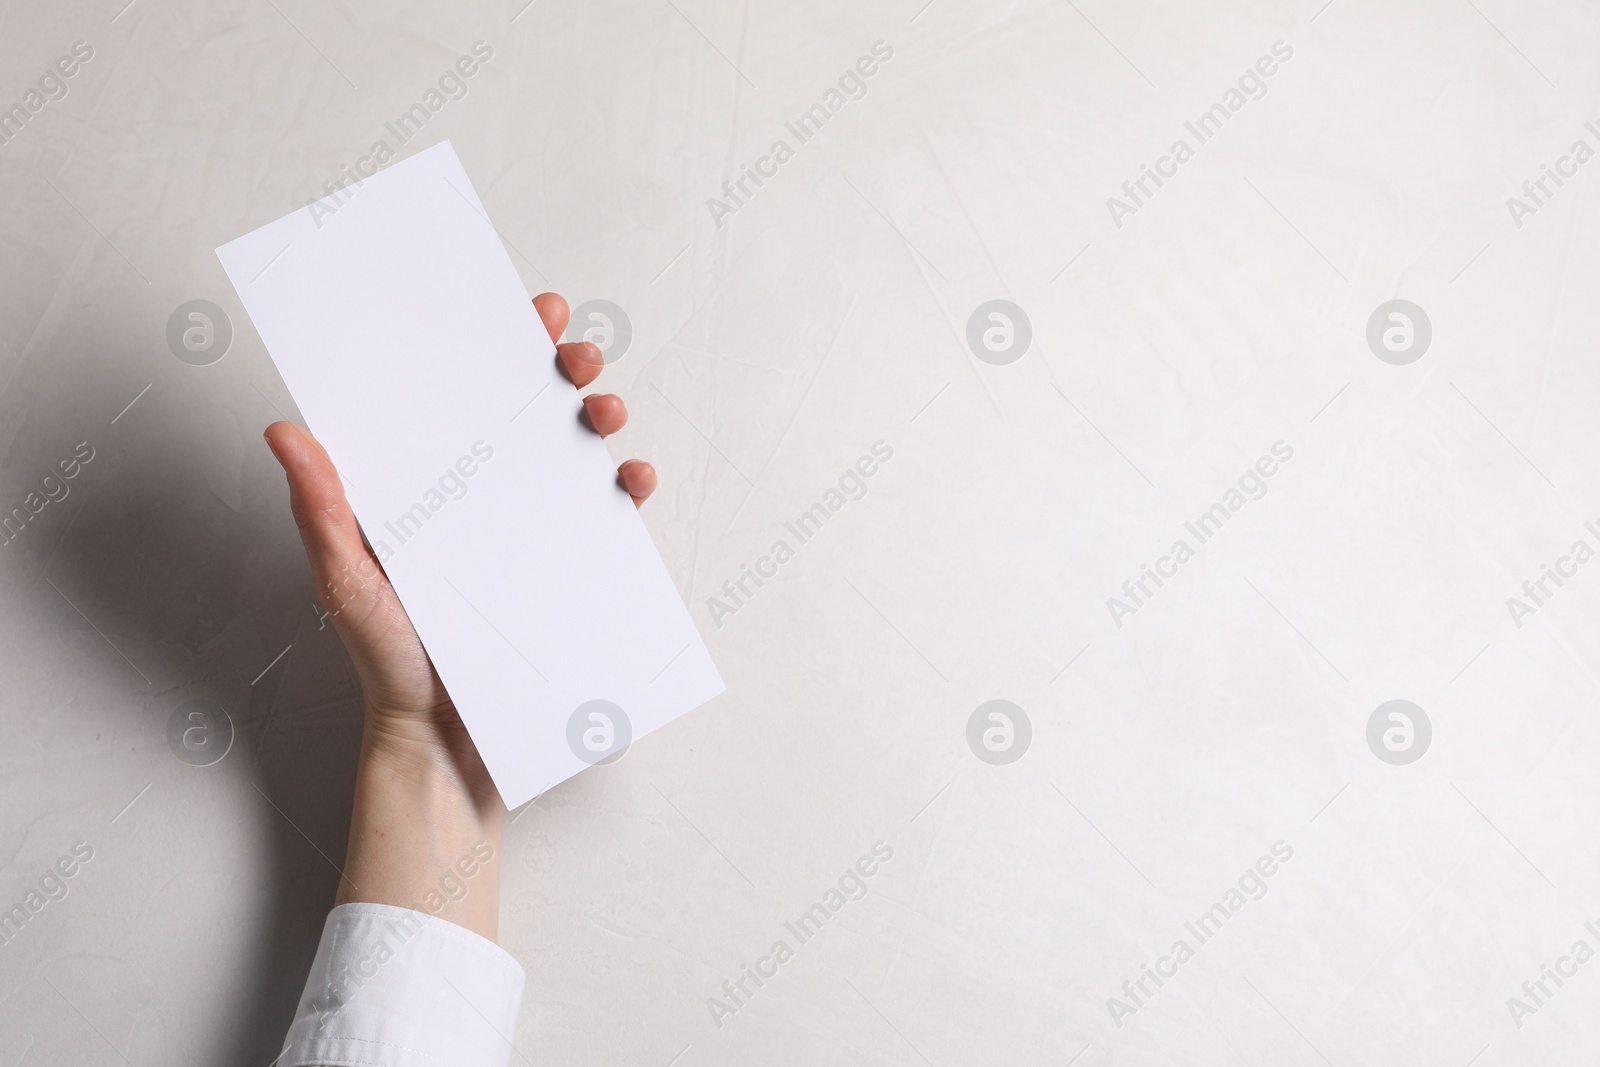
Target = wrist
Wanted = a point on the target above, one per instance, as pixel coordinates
(425, 826)
(434, 749)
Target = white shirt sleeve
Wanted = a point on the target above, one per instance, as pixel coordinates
(392, 987)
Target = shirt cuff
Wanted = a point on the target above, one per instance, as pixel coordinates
(392, 987)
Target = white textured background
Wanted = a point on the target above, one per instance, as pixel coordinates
(829, 313)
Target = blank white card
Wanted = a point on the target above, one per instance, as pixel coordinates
(401, 328)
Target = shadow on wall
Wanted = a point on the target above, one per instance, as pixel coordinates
(175, 562)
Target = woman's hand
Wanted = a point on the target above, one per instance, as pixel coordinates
(423, 797)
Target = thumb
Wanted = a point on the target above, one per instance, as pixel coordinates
(342, 566)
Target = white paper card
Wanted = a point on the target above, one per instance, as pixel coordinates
(402, 330)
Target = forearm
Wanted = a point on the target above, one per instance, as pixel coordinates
(425, 828)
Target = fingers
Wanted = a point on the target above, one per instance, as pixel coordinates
(638, 478)
(605, 413)
(327, 524)
(582, 362)
(554, 311)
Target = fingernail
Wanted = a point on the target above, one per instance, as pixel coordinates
(590, 353)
